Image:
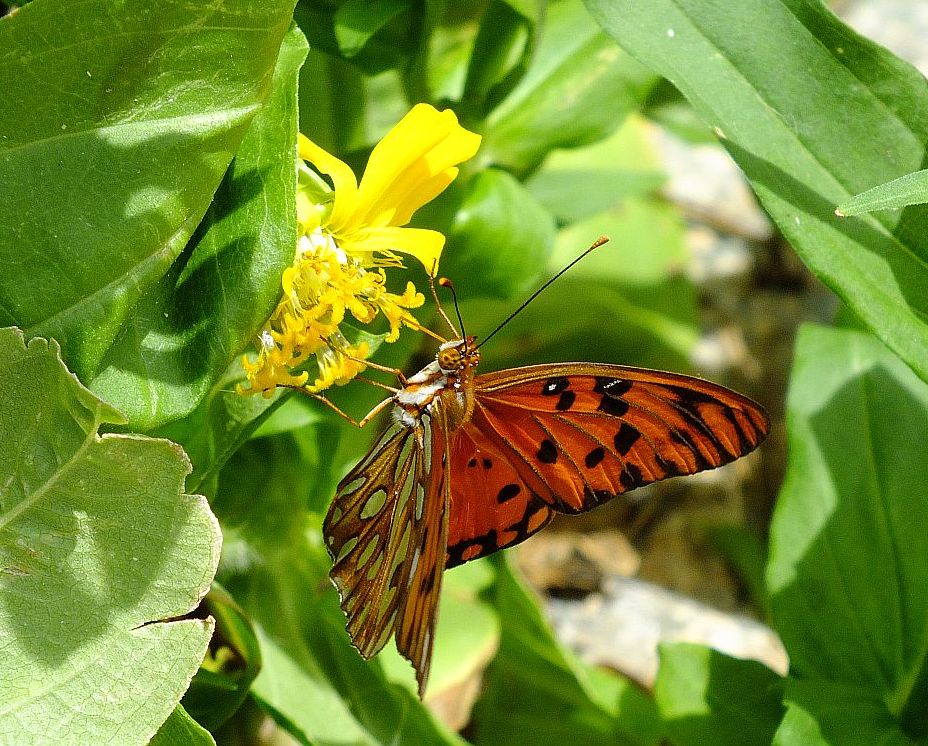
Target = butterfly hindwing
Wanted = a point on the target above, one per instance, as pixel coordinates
(491, 506)
(580, 433)
(386, 531)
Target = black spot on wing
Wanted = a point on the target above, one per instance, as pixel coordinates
(566, 401)
(594, 457)
(592, 498)
(614, 407)
(472, 463)
(669, 468)
(690, 398)
(630, 476)
(547, 452)
(611, 386)
(507, 493)
(520, 527)
(488, 543)
(555, 386)
(487, 463)
(625, 438)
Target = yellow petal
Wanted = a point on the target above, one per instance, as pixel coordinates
(343, 179)
(411, 165)
(423, 244)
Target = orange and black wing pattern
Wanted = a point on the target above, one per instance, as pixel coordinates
(568, 437)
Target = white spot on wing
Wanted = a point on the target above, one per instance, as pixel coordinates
(412, 569)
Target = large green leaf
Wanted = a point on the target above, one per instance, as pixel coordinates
(183, 334)
(503, 48)
(118, 124)
(581, 182)
(707, 697)
(847, 576)
(637, 308)
(812, 113)
(577, 90)
(829, 713)
(499, 239)
(97, 544)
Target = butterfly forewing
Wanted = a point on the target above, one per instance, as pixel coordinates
(579, 434)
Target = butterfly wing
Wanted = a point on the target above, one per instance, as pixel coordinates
(571, 436)
(491, 506)
(386, 531)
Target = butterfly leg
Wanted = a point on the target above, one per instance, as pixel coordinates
(401, 377)
(357, 423)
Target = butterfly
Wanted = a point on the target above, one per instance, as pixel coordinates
(473, 463)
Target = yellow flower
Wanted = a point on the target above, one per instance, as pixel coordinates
(414, 163)
(348, 234)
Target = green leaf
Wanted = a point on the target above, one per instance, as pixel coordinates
(221, 685)
(503, 48)
(98, 543)
(799, 100)
(356, 21)
(499, 239)
(181, 730)
(707, 697)
(578, 89)
(203, 312)
(537, 692)
(376, 39)
(847, 581)
(118, 124)
(332, 102)
(911, 189)
(579, 183)
(827, 712)
(633, 283)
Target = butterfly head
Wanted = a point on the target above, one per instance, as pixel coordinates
(458, 355)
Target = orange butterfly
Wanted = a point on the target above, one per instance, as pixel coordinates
(475, 463)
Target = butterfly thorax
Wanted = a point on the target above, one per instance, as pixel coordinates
(446, 382)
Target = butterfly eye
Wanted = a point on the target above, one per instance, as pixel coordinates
(449, 360)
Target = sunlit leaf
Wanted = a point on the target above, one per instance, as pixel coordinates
(578, 89)
(215, 297)
(101, 553)
(707, 697)
(115, 132)
(911, 189)
(800, 100)
(537, 692)
(848, 587)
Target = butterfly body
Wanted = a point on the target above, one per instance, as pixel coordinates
(475, 463)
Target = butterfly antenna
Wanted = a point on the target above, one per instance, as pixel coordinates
(595, 245)
(441, 311)
(446, 283)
